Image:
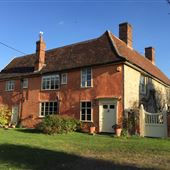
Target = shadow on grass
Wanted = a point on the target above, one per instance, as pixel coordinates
(25, 130)
(26, 157)
(28, 130)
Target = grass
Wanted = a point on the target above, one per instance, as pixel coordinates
(25, 149)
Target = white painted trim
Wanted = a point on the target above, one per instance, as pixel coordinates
(49, 76)
(108, 101)
(40, 102)
(86, 81)
(91, 110)
(23, 83)
(62, 78)
(6, 85)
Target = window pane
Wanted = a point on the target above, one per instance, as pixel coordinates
(88, 83)
(83, 111)
(105, 106)
(89, 111)
(42, 109)
(88, 104)
(50, 82)
(84, 71)
(83, 104)
(86, 111)
(83, 80)
(64, 78)
(89, 117)
(24, 83)
(89, 77)
(82, 117)
(56, 86)
(48, 108)
(88, 71)
(112, 106)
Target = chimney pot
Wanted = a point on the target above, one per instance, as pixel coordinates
(40, 53)
(150, 54)
(125, 33)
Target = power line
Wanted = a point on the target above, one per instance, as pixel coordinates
(12, 48)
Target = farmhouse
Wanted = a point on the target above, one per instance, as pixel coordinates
(97, 81)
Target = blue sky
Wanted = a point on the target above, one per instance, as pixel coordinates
(65, 22)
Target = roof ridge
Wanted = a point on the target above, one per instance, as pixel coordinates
(53, 49)
(139, 55)
(77, 43)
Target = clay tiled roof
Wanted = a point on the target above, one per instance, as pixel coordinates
(93, 52)
(137, 59)
(105, 49)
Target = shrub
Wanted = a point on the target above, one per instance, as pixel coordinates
(5, 115)
(52, 124)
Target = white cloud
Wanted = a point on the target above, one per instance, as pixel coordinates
(61, 23)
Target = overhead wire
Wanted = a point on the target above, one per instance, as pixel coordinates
(12, 48)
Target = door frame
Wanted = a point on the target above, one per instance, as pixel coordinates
(107, 101)
(18, 110)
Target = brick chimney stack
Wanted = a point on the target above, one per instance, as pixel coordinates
(125, 33)
(40, 53)
(150, 54)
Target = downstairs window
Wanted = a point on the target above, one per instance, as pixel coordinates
(85, 111)
(48, 108)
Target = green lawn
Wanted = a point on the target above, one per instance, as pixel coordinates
(23, 149)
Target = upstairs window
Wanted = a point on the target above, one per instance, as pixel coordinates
(48, 108)
(64, 78)
(50, 82)
(86, 111)
(24, 83)
(143, 84)
(9, 85)
(86, 77)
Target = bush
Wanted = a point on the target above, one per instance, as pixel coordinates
(5, 115)
(56, 124)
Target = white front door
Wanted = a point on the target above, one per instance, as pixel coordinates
(107, 115)
(15, 114)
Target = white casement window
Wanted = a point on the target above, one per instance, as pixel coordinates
(48, 108)
(10, 85)
(24, 83)
(86, 111)
(50, 82)
(86, 77)
(64, 78)
(142, 84)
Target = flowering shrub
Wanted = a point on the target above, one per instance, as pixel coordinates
(5, 115)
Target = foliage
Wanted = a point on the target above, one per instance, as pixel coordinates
(131, 121)
(21, 149)
(116, 126)
(56, 124)
(5, 115)
(124, 132)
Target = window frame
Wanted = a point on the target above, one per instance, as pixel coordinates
(40, 108)
(143, 86)
(9, 83)
(86, 78)
(22, 83)
(50, 78)
(63, 82)
(86, 111)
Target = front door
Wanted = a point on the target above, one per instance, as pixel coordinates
(107, 115)
(15, 114)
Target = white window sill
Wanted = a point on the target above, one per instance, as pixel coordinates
(86, 121)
